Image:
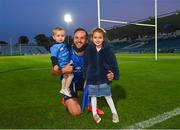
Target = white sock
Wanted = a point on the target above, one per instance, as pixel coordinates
(94, 105)
(68, 81)
(111, 104)
(63, 83)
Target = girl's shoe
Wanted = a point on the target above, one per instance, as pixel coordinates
(115, 118)
(96, 118)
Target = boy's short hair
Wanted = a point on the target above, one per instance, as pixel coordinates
(57, 29)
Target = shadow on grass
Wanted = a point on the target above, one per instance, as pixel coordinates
(118, 93)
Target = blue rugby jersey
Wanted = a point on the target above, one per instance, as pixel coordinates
(60, 51)
(78, 62)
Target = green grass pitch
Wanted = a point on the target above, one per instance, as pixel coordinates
(30, 94)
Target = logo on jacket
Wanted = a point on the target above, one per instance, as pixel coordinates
(77, 69)
(61, 49)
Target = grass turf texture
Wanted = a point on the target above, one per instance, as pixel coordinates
(30, 94)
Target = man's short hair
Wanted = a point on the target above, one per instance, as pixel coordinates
(81, 29)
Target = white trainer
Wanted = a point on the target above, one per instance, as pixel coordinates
(115, 118)
(65, 92)
(96, 118)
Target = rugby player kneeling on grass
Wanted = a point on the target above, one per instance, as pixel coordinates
(80, 40)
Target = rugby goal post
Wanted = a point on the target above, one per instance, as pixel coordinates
(138, 24)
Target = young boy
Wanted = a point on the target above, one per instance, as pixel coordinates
(60, 57)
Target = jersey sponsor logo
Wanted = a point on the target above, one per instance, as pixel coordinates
(61, 49)
(77, 69)
(66, 53)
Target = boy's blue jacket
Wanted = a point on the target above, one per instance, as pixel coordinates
(97, 64)
(61, 52)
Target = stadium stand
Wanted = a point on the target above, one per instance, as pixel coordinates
(7, 50)
(138, 39)
(165, 44)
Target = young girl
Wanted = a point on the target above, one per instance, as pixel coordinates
(99, 59)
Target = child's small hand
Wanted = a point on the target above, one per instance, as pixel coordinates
(56, 70)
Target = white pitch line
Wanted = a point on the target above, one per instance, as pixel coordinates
(29, 69)
(155, 120)
(35, 69)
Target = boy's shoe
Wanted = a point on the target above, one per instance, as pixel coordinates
(62, 91)
(96, 118)
(65, 92)
(99, 111)
(115, 118)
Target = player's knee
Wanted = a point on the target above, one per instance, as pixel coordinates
(73, 107)
(75, 112)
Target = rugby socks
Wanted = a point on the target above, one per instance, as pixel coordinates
(111, 104)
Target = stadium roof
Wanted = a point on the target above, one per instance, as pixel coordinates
(166, 22)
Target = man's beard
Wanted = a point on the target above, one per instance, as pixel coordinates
(82, 48)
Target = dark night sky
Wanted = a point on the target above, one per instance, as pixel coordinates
(32, 17)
